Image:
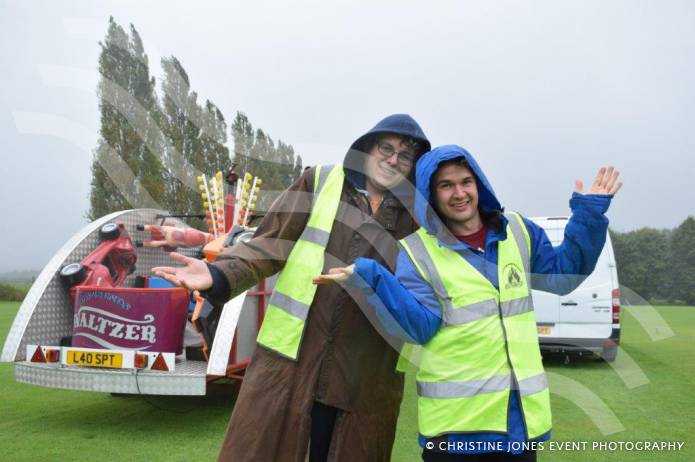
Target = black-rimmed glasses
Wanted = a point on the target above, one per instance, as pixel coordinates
(386, 151)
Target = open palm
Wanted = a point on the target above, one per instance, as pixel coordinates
(606, 182)
(195, 275)
(335, 275)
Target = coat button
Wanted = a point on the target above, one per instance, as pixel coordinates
(357, 237)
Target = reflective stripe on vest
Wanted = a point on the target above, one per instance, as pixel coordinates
(464, 374)
(526, 387)
(288, 307)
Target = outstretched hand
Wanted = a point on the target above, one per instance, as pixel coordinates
(335, 275)
(606, 182)
(194, 276)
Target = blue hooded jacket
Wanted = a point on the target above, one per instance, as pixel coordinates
(408, 306)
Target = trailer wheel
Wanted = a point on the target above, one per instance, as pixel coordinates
(109, 232)
(72, 273)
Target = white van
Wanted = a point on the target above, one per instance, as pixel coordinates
(587, 320)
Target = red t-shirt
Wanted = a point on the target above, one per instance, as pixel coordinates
(475, 240)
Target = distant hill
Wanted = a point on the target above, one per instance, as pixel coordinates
(19, 275)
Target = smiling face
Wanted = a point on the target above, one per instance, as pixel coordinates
(388, 163)
(456, 197)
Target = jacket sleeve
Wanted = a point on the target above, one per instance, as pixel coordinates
(243, 265)
(405, 304)
(561, 269)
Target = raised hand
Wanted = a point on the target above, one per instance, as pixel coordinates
(194, 276)
(334, 276)
(606, 182)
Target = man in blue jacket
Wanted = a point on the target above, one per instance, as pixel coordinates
(464, 279)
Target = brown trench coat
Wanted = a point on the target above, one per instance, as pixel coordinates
(343, 361)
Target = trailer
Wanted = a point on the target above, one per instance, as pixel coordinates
(40, 341)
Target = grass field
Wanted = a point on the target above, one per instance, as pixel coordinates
(647, 394)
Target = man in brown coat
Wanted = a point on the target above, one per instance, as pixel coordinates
(339, 400)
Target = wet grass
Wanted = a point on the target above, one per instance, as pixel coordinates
(47, 424)
(646, 395)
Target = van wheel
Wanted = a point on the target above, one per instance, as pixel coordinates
(609, 353)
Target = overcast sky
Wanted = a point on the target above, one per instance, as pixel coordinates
(541, 92)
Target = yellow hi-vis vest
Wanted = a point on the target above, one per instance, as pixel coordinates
(487, 344)
(288, 307)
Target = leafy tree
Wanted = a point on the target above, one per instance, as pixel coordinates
(195, 139)
(214, 139)
(126, 171)
(11, 293)
(683, 261)
(642, 257)
(150, 152)
(180, 123)
(255, 152)
(242, 131)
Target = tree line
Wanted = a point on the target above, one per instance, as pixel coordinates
(152, 145)
(12, 293)
(658, 265)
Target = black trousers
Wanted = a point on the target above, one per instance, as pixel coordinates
(322, 423)
(526, 456)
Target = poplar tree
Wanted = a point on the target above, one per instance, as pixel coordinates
(180, 123)
(242, 131)
(126, 171)
(195, 139)
(150, 152)
(255, 152)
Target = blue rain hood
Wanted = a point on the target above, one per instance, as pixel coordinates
(424, 172)
(400, 124)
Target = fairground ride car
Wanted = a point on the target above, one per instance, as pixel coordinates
(93, 321)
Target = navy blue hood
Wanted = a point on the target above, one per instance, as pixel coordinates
(399, 124)
(424, 172)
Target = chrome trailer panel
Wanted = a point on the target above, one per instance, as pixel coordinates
(46, 316)
(189, 378)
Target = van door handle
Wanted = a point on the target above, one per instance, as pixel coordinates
(569, 304)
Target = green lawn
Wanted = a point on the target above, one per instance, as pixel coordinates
(651, 397)
(47, 424)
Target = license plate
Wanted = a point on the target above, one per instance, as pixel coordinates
(94, 359)
(544, 330)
